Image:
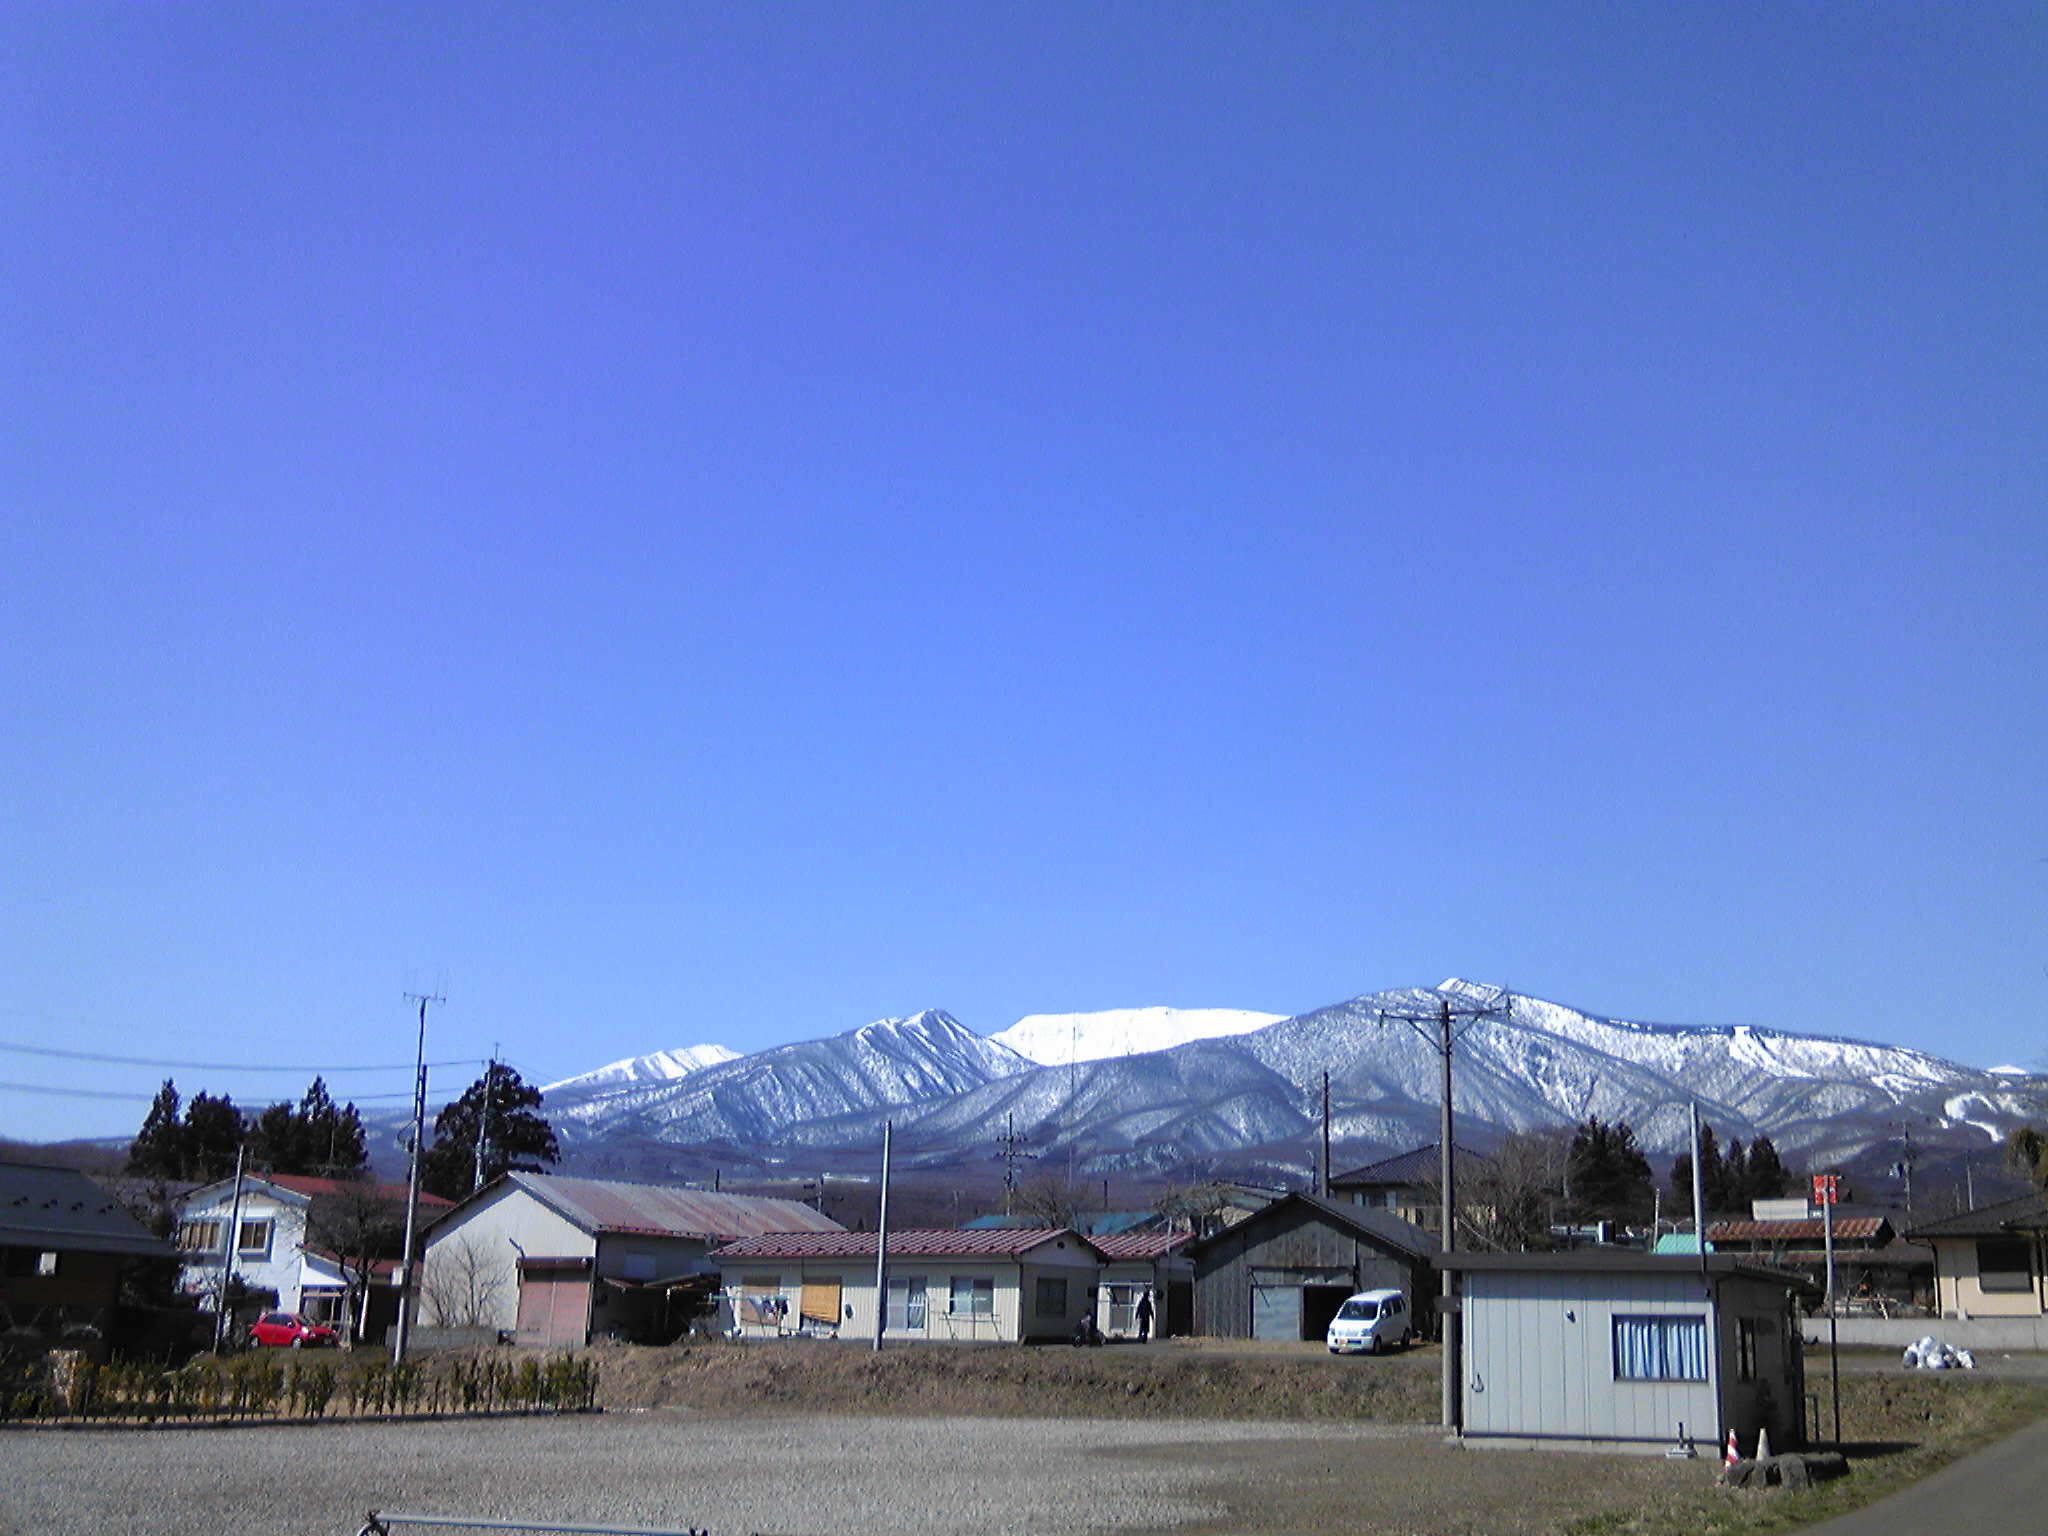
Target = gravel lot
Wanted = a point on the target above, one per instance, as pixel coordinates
(848, 1476)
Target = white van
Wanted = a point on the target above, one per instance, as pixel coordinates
(1368, 1323)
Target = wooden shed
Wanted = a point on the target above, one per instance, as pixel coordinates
(1282, 1272)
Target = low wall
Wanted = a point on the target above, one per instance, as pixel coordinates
(1995, 1333)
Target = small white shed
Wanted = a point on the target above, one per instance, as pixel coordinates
(1614, 1349)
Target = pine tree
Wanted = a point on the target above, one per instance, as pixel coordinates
(275, 1142)
(1769, 1178)
(158, 1150)
(515, 1134)
(213, 1133)
(1608, 1174)
(1735, 1184)
(331, 1139)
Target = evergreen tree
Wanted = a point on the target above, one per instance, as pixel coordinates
(275, 1142)
(158, 1150)
(1607, 1172)
(514, 1134)
(331, 1138)
(1769, 1178)
(1735, 1184)
(213, 1133)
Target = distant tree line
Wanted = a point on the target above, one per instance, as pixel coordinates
(494, 1126)
(1730, 1180)
(315, 1136)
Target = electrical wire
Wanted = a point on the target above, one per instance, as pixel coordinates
(211, 1066)
(143, 1097)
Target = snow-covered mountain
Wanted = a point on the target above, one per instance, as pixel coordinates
(1249, 1095)
(766, 1097)
(1055, 1039)
(659, 1067)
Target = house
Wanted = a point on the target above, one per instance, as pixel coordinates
(1875, 1268)
(323, 1247)
(1617, 1349)
(1282, 1272)
(1408, 1184)
(989, 1285)
(554, 1260)
(65, 1247)
(1993, 1261)
(1139, 1264)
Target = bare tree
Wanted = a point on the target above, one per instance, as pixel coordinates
(1050, 1200)
(1197, 1208)
(461, 1286)
(355, 1226)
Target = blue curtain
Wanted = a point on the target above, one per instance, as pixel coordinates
(1660, 1349)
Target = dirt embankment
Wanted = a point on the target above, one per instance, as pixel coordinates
(1181, 1379)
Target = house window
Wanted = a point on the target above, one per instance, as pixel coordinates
(199, 1236)
(2004, 1264)
(1051, 1297)
(906, 1303)
(973, 1296)
(255, 1241)
(1660, 1349)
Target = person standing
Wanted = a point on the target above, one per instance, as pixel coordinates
(1145, 1316)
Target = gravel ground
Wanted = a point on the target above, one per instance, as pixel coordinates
(850, 1477)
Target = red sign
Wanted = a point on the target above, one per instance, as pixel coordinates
(1825, 1186)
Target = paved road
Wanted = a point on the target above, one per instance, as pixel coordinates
(2003, 1488)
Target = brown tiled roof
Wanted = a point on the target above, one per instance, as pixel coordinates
(916, 1243)
(315, 1188)
(1851, 1229)
(1139, 1245)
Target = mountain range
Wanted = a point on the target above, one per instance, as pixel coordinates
(1205, 1092)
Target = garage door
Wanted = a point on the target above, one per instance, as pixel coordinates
(554, 1309)
(1276, 1311)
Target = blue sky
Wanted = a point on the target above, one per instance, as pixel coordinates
(721, 523)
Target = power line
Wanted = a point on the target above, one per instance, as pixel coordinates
(143, 1097)
(211, 1066)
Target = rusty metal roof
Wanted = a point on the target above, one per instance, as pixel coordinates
(663, 1210)
(1852, 1229)
(1139, 1245)
(917, 1243)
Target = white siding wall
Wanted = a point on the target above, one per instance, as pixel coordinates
(498, 1230)
(1539, 1358)
(277, 1270)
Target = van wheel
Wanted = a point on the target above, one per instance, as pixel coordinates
(1372, 1345)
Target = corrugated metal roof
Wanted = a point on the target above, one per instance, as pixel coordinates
(1852, 1229)
(605, 1205)
(302, 1184)
(916, 1243)
(1415, 1166)
(62, 1210)
(1138, 1245)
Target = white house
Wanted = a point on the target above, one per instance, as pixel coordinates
(284, 1242)
(993, 1285)
(555, 1260)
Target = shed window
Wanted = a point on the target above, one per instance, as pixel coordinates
(1660, 1349)
(1052, 1296)
(255, 1240)
(973, 1296)
(2004, 1264)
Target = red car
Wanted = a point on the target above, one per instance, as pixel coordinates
(288, 1330)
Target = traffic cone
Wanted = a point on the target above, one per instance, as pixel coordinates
(1732, 1455)
(1763, 1445)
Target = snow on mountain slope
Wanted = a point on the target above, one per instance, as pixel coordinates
(660, 1067)
(1056, 1039)
(767, 1096)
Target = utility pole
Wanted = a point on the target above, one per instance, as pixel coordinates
(1323, 1185)
(1012, 1153)
(227, 1256)
(1443, 1028)
(401, 1334)
(483, 1119)
(882, 1246)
